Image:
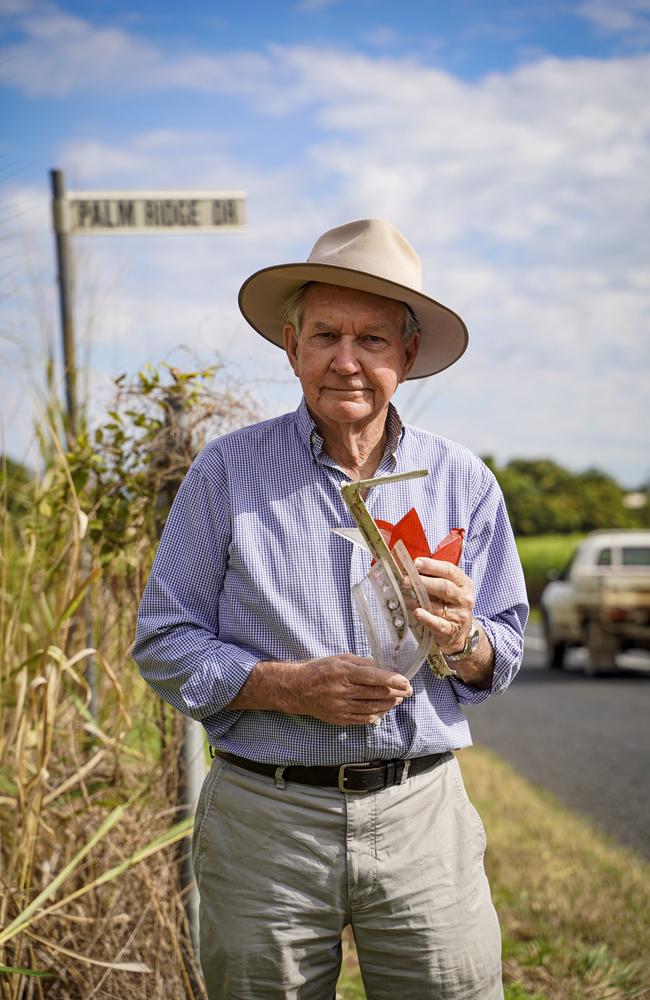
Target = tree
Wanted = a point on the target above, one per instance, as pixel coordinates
(543, 498)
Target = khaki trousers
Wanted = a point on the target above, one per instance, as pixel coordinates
(282, 871)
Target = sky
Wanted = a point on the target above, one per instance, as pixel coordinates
(509, 142)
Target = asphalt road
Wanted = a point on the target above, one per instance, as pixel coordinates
(586, 739)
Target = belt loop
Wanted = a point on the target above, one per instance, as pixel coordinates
(279, 779)
(405, 771)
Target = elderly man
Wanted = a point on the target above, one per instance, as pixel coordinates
(334, 797)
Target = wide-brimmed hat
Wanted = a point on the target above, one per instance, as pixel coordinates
(370, 255)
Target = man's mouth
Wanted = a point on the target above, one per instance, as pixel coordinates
(346, 389)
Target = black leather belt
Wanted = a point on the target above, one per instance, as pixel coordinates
(369, 777)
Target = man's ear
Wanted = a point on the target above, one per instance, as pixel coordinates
(290, 345)
(411, 353)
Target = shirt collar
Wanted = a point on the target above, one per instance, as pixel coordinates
(311, 436)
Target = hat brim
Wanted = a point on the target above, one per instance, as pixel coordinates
(443, 339)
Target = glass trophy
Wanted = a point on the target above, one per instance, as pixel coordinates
(385, 603)
(388, 596)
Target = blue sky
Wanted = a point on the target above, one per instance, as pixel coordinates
(510, 142)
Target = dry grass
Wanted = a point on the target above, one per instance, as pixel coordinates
(82, 800)
(573, 905)
(88, 755)
(126, 938)
(83, 797)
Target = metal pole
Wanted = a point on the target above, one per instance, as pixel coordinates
(193, 771)
(64, 279)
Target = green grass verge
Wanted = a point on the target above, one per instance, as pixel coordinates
(573, 905)
(540, 554)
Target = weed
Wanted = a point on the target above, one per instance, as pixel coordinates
(88, 754)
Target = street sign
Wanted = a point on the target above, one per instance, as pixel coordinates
(120, 213)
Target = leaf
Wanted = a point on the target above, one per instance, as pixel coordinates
(29, 913)
(77, 599)
(74, 779)
(82, 519)
(116, 966)
(27, 972)
(7, 785)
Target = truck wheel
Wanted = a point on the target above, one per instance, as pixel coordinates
(601, 648)
(554, 650)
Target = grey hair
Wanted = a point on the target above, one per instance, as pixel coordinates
(292, 309)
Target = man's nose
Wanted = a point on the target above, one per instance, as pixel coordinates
(345, 358)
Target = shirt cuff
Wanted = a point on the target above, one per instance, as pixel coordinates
(218, 682)
(507, 659)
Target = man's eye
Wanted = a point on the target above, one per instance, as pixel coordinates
(372, 338)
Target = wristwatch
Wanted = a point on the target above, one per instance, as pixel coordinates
(469, 647)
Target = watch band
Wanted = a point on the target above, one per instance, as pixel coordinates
(470, 645)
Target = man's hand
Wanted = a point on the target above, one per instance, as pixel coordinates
(451, 593)
(346, 690)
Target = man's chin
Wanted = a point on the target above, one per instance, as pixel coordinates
(347, 410)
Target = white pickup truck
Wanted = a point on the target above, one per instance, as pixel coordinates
(601, 600)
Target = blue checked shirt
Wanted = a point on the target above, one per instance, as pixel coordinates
(248, 569)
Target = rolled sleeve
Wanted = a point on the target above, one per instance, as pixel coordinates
(501, 606)
(508, 643)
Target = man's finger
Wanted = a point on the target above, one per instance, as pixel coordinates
(379, 679)
(384, 704)
(441, 626)
(442, 569)
(379, 704)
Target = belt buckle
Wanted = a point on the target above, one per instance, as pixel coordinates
(351, 791)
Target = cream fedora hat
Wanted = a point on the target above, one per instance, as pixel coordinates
(372, 256)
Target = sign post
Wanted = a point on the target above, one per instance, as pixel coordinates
(64, 281)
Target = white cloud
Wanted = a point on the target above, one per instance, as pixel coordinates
(515, 155)
(62, 54)
(624, 16)
(525, 193)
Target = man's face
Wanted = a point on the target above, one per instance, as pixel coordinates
(350, 356)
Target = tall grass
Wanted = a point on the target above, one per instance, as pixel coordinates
(88, 755)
